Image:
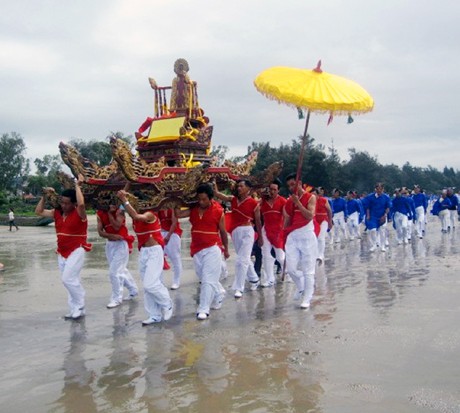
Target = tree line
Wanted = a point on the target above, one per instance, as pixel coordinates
(321, 166)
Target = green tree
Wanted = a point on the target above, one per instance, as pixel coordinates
(14, 167)
(97, 151)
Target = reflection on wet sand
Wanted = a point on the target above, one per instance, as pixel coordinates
(77, 394)
(378, 337)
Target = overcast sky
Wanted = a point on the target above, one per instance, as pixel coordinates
(79, 69)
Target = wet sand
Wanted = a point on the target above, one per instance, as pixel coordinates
(381, 336)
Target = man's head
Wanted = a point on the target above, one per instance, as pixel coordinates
(291, 180)
(336, 193)
(243, 187)
(417, 189)
(379, 188)
(68, 200)
(205, 195)
(274, 189)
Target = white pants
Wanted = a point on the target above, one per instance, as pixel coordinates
(452, 218)
(243, 240)
(208, 264)
(402, 230)
(444, 216)
(340, 226)
(322, 239)
(301, 254)
(420, 221)
(268, 261)
(353, 225)
(173, 252)
(156, 295)
(70, 269)
(117, 253)
(378, 236)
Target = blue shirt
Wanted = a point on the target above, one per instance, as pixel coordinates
(420, 199)
(353, 206)
(401, 204)
(377, 205)
(339, 205)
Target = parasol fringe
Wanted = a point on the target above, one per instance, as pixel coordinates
(316, 109)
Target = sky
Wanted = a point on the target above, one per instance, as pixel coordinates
(79, 69)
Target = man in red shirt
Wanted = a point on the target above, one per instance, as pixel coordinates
(301, 243)
(208, 235)
(157, 301)
(244, 214)
(111, 225)
(71, 230)
(172, 232)
(271, 211)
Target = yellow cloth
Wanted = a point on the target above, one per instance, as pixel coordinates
(317, 92)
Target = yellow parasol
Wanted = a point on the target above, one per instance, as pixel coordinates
(314, 91)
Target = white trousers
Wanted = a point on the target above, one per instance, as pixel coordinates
(243, 240)
(444, 216)
(301, 254)
(268, 261)
(378, 236)
(173, 252)
(420, 220)
(340, 226)
(156, 295)
(208, 265)
(353, 225)
(117, 253)
(70, 269)
(322, 239)
(452, 218)
(402, 229)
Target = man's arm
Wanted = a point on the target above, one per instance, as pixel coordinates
(172, 228)
(40, 208)
(258, 222)
(81, 209)
(223, 235)
(106, 235)
(145, 217)
(221, 196)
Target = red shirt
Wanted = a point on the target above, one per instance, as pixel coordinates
(273, 220)
(71, 232)
(165, 216)
(123, 231)
(321, 210)
(297, 219)
(242, 212)
(205, 228)
(146, 230)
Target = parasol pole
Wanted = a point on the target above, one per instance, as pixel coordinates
(299, 170)
(302, 150)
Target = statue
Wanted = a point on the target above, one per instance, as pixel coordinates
(182, 93)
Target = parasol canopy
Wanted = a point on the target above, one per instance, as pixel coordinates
(314, 90)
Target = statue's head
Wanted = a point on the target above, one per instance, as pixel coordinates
(181, 67)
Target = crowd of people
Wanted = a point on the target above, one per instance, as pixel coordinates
(290, 235)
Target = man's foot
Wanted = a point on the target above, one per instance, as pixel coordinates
(267, 284)
(149, 321)
(113, 304)
(167, 313)
(254, 285)
(298, 295)
(372, 249)
(76, 314)
(175, 286)
(238, 294)
(305, 305)
(130, 297)
(202, 316)
(217, 305)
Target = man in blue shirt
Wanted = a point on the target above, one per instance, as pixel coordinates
(452, 209)
(377, 207)
(339, 215)
(354, 212)
(420, 204)
(401, 213)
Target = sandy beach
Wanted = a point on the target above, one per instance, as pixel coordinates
(381, 336)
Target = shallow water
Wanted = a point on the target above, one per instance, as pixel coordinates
(381, 336)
